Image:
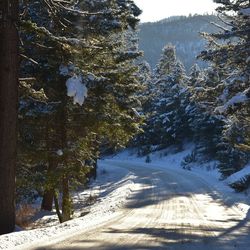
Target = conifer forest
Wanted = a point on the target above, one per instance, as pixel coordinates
(122, 134)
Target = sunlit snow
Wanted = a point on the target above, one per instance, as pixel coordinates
(238, 98)
(76, 89)
(59, 152)
(241, 175)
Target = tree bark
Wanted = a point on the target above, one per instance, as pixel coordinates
(47, 202)
(9, 67)
(66, 201)
(57, 206)
(48, 196)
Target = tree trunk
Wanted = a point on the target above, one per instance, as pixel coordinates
(66, 201)
(9, 66)
(57, 206)
(47, 202)
(48, 196)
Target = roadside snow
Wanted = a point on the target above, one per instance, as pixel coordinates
(110, 190)
(239, 176)
(207, 172)
(170, 157)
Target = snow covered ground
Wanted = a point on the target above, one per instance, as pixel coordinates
(170, 159)
(110, 192)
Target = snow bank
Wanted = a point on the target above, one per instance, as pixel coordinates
(240, 176)
(172, 155)
(168, 159)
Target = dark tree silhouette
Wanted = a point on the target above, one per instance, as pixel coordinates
(8, 111)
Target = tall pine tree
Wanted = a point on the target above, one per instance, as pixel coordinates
(9, 64)
(229, 52)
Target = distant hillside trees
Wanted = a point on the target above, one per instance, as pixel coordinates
(182, 32)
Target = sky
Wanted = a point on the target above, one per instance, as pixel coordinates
(154, 10)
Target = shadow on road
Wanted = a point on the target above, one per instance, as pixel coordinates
(161, 239)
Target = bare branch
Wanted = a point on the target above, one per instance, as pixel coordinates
(29, 59)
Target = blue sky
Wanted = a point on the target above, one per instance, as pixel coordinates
(154, 10)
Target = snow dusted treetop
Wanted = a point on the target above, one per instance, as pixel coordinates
(229, 51)
(240, 97)
(235, 51)
(196, 76)
(229, 92)
(167, 61)
(167, 112)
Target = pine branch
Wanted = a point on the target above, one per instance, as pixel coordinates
(27, 79)
(219, 26)
(54, 13)
(29, 59)
(59, 3)
(225, 22)
(68, 40)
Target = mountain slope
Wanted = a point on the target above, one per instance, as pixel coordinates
(183, 32)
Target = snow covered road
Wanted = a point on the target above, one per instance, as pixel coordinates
(167, 209)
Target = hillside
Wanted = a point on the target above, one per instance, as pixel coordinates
(183, 32)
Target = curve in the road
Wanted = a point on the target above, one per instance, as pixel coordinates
(168, 210)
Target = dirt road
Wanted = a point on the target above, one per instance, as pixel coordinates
(167, 210)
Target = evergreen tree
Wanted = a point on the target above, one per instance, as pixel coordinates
(196, 76)
(229, 54)
(9, 63)
(102, 90)
(145, 97)
(167, 123)
(206, 126)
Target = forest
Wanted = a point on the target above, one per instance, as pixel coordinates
(181, 31)
(75, 87)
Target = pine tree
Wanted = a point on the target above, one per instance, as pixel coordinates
(101, 111)
(229, 54)
(8, 111)
(206, 126)
(145, 97)
(167, 121)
